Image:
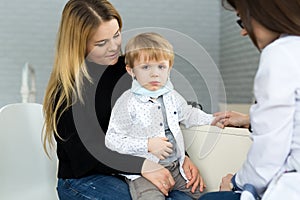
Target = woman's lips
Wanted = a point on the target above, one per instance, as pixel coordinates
(112, 56)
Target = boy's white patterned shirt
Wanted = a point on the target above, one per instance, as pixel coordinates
(135, 118)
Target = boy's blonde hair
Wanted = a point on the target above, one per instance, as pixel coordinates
(153, 47)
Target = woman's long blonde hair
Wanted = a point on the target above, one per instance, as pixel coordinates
(80, 20)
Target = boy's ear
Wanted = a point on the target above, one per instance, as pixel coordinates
(129, 70)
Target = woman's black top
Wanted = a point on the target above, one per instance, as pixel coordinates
(82, 151)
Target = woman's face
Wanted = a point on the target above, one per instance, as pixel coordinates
(263, 35)
(105, 45)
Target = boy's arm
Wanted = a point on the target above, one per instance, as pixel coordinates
(118, 136)
(190, 116)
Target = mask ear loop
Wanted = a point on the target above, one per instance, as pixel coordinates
(168, 80)
(132, 75)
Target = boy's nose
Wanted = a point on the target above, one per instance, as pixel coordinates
(154, 74)
(154, 71)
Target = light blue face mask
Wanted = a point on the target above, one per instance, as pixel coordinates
(136, 88)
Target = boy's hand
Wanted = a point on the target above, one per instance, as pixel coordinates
(160, 147)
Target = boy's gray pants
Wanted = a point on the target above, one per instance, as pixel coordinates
(142, 189)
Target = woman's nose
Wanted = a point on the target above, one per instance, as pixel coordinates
(113, 45)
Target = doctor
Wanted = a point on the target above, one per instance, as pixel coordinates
(272, 167)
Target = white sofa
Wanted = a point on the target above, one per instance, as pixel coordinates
(216, 151)
(26, 172)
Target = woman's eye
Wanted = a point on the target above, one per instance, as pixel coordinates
(117, 35)
(101, 44)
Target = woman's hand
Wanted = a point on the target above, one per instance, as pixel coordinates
(158, 175)
(231, 118)
(226, 184)
(192, 173)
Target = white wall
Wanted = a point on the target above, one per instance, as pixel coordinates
(28, 31)
(198, 21)
(238, 60)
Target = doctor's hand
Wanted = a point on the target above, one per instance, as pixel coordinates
(226, 184)
(231, 118)
(160, 147)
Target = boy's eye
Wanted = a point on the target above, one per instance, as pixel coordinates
(162, 66)
(145, 67)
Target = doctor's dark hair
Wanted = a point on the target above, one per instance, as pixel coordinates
(279, 16)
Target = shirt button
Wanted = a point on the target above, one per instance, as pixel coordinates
(175, 112)
(161, 124)
(158, 107)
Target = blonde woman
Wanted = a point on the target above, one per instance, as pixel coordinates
(87, 69)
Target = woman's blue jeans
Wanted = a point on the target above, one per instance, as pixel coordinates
(101, 187)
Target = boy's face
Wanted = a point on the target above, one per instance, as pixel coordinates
(151, 74)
